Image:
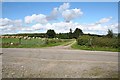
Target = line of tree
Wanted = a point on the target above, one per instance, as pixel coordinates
(71, 34)
(51, 34)
(77, 33)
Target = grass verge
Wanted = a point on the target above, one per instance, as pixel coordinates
(76, 46)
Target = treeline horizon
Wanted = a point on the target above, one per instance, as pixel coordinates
(68, 35)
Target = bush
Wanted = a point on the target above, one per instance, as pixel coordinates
(105, 42)
(98, 41)
(84, 40)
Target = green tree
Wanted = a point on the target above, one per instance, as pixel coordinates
(63, 35)
(51, 33)
(70, 34)
(110, 33)
(77, 33)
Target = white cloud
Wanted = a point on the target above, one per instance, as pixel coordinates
(68, 15)
(104, 20)
(8, 25)
(6, 21)
(95, 29)
(99, 28)
(40, 18)
(63, 27)
(64, 7)
(35, 27)
(59, 27)
(53, 15)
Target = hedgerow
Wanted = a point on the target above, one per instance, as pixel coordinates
(98, 41)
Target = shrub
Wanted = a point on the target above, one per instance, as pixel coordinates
(83, 40)
(98, 41)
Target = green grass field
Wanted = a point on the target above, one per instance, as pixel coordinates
(32, 43)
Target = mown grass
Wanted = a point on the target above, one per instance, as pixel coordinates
(96, 48)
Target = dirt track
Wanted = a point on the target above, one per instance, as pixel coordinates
(58, 63)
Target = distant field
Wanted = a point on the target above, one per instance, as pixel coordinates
(32, 43)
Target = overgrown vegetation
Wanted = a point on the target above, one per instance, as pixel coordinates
(76, 46)
(109, 42)
(97, 43)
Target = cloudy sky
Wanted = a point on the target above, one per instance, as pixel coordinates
(38, 17)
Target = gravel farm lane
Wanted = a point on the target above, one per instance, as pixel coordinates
(58, 63)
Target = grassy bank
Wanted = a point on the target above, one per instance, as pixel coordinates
(76, 46)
